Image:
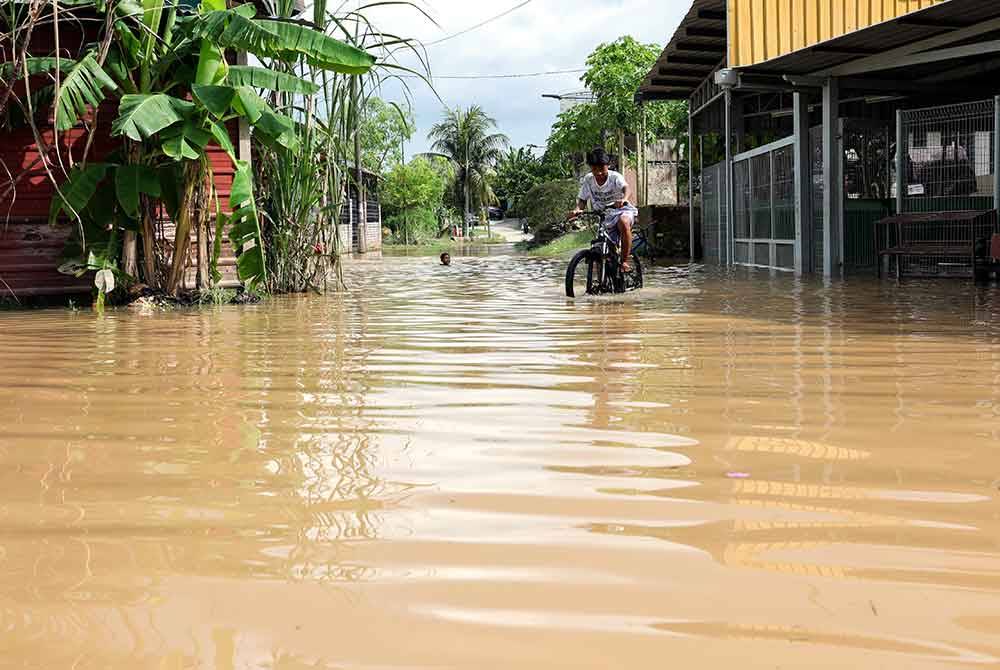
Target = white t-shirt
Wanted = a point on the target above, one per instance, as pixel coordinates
(603, 197)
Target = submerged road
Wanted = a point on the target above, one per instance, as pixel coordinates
(460, 468)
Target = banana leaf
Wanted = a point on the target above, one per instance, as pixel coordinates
(81, 88)
(133, 180)
(142, 115)
(244, 231)
(259, 77)
(76, 192)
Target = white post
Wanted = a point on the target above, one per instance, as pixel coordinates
(833, 183)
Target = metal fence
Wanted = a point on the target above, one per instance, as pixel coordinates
(818, 217)
(949, 157)
(714, 233)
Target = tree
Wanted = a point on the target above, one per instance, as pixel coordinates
(177, 92)
(614, 72)
(465, 138)
(384, 129)
(517, 172)
(412, 187)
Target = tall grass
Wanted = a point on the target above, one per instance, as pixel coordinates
(305, 191)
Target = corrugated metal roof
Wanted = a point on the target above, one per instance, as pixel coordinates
(762, 30)
(665, 80)
(923, 24)
(695, 50)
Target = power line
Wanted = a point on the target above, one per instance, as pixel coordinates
(521, 75)
(478, 25)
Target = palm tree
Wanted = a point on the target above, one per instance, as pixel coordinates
(465, 138)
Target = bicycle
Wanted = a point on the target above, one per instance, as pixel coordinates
(598, 270)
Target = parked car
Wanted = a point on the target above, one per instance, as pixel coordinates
(495, 214)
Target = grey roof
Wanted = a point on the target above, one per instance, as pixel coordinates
(696, 49)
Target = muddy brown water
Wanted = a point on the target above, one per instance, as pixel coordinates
(459, 468)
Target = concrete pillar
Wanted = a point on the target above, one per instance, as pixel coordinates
(833, 181)
(803, 187)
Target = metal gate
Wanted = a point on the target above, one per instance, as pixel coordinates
(764, 206)
(867, 170)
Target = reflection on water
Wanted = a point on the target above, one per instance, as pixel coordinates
(458, 467)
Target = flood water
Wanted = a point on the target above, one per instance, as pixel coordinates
(460, 468)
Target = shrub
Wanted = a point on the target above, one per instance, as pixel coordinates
(418, 225)
(545, 206)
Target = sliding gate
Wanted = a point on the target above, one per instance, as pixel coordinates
(764, 207)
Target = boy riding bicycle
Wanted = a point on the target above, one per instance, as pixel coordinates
(608, 193)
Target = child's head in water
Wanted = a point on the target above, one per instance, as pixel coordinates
(446, 258)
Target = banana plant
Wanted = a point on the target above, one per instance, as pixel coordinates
(177, 93)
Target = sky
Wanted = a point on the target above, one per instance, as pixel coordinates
(543, 36)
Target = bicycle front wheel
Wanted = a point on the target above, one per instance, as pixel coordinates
(581, 275)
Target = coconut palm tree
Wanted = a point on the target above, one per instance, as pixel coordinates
(465, 137)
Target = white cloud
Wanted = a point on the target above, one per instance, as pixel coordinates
(542, 36)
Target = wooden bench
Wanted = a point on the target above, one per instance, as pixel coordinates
(951, 237)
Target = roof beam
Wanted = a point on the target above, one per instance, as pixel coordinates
(977, 49)
(846, 51)
(886, 59)
(687, 74)
(698, 46)
(717, 33)
(926, 22)
(664, 81)
(711, 15)
(693, 60)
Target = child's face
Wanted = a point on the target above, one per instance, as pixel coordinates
(599, 170)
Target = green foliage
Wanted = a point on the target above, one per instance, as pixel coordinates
(77, 192)
(245, 229)
(131, 181)
(141, 116)
(384, 128)
(467, 140)
(413, 185)
(614, 72)
(415, 227)
(517, 172)
(548, 203)
(177, 92)
(82, 87)
(564, 244)
(259, 77)
(411, 194)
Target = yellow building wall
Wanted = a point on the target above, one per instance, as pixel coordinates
(760, 30)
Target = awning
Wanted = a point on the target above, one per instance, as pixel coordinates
(697, 48)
